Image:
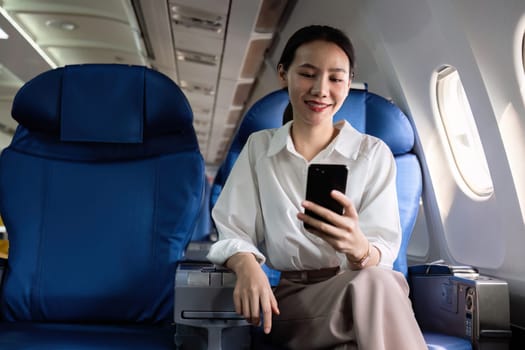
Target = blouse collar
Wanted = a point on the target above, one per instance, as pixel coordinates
(347, 142)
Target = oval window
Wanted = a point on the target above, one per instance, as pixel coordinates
(462, 134)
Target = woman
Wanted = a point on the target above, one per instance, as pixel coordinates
(337, 286)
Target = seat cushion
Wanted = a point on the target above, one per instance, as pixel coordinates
(434, 341)
(437, 341)
(42, 336)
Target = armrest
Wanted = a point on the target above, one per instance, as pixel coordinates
(204, 299)
(203, 295)
(197, 251)
(458, 301)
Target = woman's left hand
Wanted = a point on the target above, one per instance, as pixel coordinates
(342, 232)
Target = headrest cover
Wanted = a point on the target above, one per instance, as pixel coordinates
(386, 121)
(266, 113)
(109, 103)
(354, 109)
(102, 105)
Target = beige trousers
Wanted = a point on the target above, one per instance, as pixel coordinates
(365, 310)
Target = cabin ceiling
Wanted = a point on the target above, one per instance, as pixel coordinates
(213, 49)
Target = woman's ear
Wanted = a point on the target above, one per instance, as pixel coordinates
(282, 76)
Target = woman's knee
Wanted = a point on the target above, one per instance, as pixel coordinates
(379, 278)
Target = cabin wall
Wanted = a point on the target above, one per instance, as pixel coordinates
(400, 45)
(5, 139)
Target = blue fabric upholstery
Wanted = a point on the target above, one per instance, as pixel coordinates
(52, 336)
(82, 120)
(204, 223)
(444, 342)
(100, 191)
(262, 115)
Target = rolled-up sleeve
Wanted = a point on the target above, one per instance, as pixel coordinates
(237, 213)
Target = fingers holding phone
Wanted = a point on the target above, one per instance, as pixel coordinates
(329, 213)
(319, 219)
(321, 180)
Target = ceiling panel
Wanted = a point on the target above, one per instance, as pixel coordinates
(196, 72)
(212, 48)
(185, 40)
(270, 15)
(220, 7)
(156, 29)
(255, 56)
(117, 9)
(187, 19)
(7, 124)
(60, 27)
(9, 85)
(49, 29)
(9, 82)
(82, 55)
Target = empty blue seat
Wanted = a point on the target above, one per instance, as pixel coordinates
(100, 191)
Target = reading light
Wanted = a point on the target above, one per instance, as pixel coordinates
(62, 25)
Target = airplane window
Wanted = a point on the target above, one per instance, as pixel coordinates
(462, 134)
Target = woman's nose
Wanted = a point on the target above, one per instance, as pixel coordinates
(319, 87)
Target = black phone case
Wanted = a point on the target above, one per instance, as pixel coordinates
(322, 179)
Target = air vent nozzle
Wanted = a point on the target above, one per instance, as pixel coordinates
(197, 57)
(193, 18)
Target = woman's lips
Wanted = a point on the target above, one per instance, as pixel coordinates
(317, 106)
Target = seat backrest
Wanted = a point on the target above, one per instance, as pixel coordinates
(100, 191)
(368, 113)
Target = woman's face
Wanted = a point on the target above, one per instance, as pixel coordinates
(318, 81)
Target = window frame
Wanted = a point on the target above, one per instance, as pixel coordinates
(460, 135)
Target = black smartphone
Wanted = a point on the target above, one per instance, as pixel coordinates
(322, 179)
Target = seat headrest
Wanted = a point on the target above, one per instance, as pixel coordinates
(109, 103)
(367, 112)
(387, 121)
(354, 109)
(266, 113)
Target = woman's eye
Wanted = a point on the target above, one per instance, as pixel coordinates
(306, 75)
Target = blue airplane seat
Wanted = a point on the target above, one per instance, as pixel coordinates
(100, 191)
(371, 114)
(203, 230)
(260, 116)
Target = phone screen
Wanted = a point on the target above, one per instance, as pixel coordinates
(322, 179)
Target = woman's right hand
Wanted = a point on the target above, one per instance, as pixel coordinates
(252, 294)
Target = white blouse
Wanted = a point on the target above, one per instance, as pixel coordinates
(257, 209)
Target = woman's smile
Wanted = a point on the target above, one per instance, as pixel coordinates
(317, 106)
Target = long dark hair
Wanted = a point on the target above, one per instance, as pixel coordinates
(306, 35)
